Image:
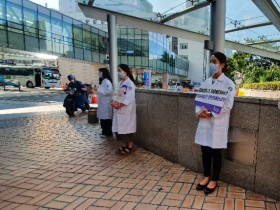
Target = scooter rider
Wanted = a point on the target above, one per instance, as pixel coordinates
(80, 88)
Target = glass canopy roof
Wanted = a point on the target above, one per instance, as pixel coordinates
(245, 22)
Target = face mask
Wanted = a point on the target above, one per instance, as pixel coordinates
(100, 75)
(213, 69)
(120, 75)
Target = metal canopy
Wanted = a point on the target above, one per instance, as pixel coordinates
(122, 19)
(185, 11)
(248, 27)
(264, 42)
(250, 23)
(270, 11)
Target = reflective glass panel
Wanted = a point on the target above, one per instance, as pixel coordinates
(2, 12)
(67, 33)
(44, 26)
(14, 13)
(19, 2)
(29, 5)
(30, 21)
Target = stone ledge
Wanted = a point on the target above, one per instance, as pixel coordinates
(242, 99)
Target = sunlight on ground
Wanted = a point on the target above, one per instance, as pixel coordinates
(35, 109)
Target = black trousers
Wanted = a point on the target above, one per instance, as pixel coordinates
(211, 159)
(106, 126)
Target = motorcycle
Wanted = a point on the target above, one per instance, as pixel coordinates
(70, 101)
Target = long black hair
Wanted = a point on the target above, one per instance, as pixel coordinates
(125, 68)
(105, 75)
(223, 59)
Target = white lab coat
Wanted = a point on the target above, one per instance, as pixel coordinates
(213, 132)
(104, 95)
(124, 119)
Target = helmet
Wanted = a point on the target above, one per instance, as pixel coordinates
(71, 77)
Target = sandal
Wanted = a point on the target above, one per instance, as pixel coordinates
(121, 149)
(126, 150)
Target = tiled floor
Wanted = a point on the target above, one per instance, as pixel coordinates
(50, 161)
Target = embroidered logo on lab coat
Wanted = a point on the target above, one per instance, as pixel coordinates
(124, 88)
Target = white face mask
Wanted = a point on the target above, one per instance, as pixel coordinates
(100, 74)
(120, 75)
(213, 69)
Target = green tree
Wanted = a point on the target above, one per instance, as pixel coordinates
(254, 68)
(253, 74)
(238, 63)
(273, 73)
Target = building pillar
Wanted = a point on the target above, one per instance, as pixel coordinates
(113, 48)
(217, 27)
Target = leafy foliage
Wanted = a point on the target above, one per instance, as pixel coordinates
(254, 68)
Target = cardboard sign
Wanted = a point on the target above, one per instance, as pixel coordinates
(118, 95)
(211, 97)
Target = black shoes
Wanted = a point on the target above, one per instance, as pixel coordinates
(208, 190)
(201, 187)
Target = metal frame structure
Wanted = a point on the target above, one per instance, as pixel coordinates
(130, 21)
(270, 11)
(248, 27)
(185, 11)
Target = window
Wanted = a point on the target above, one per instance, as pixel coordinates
(183, 45)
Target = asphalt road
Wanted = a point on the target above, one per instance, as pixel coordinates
(15, 104)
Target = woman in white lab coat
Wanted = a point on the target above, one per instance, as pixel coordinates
(124, 118)
(212, 130)
(104, 95)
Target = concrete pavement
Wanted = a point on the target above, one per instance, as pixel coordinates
(50, 161)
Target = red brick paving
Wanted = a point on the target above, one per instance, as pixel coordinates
(53, 162)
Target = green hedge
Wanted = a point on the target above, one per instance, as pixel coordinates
(263, 85)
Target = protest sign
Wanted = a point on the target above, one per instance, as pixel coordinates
(211, 97)
(118, 95)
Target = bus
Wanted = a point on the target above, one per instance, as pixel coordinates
(30, 76)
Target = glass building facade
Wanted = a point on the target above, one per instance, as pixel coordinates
(148, 50)
(27, 26)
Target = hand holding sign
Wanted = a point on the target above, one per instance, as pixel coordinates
(204, 113)
(117, 98)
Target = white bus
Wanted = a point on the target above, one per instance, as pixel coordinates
(30, 76)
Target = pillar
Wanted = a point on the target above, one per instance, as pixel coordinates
(113, 48)
(217, 27)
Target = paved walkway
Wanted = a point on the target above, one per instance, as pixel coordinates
(50, 161)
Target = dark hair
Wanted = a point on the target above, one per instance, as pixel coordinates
(125, 68)
(105, 75)
(223, 59)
